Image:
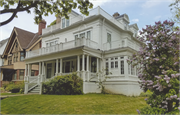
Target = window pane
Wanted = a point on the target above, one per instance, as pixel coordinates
(89, 34)
(122, 57)
(106, 59)
(122, 67)
(112, 64)
(82, 35)
(21, 74)
(116, 64)
(22, 58)
(108, 37)
(116, 58)
(67, 22)
(63, 23)
(107, 68)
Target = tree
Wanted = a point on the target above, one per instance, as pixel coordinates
(175, 8)
(43, 8)
(158, 61)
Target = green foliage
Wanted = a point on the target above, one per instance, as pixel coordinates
(14, 88)
(64, 85)
(146, 94)
(52, 23)
(44, 7)
(175, 8)
(152, 110)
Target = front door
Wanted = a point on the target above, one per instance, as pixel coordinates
(49, 70)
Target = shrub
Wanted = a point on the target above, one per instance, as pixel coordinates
(64, 85)
(152, 110)
(146, 94)
(14, 88)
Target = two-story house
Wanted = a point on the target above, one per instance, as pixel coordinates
(87, 45)
(20, 41)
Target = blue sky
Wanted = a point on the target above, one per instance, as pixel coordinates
(142, 12)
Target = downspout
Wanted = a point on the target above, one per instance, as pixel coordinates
(102, 30)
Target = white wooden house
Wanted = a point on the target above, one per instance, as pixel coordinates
(87, 44)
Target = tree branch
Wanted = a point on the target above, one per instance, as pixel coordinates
(12, 17)
(18, 9)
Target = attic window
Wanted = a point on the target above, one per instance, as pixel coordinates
(16, 44)
(65, 22)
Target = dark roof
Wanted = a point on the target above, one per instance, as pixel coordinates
(25, 37)
(2, 42)
(119, 16)
(35, 38)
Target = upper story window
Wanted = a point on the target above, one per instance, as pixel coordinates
(108, 37)
(51, 43)
(65, 22)
(21, 74)
(15, 57)
(86, 34)
(9, 60)
(22, 56)
(16, 44)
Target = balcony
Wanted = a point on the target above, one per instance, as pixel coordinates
(120, 44)
(94, 12)
(62, 46)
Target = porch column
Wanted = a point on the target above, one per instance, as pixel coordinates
(97, 71)
(61, 66)
(126, 66)
(43, 72)
(25, 75)
(29, 70)
(39, 77)
(83, 74)
(78, 65)
(87, 67)
(57, 60)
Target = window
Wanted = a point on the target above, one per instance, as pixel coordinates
(82, 35)
(89, 35)
(112, 64)
(32, 73)
(22, 56)
(9, 60)
(63, 23)
(15, 57)
(122, 67)
(21, 74)
(116, 64)
(67, 22)
(93, 64)
(107, 68)
(108, 37)
(16, 44)
(15, 75)
(2, 61)
(132, 70)
(129, 68)
(47, 44)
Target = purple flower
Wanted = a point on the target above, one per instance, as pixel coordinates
(169, 85)
(175, 63)
(179, 108)
(161, 66)
(173, 76)
(175, 96)
(138, 111)
(146, 99)
(167, 99)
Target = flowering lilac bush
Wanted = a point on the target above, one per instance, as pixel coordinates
(158, 61)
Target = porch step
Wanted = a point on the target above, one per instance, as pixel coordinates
(35, 90)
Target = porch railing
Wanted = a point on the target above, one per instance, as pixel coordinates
(62, 46)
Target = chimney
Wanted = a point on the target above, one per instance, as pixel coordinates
(42, 25)
(58, 21)
(116, 14)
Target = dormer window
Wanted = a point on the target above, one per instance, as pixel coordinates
(65, 22)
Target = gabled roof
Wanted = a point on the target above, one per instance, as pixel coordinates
(25, 39)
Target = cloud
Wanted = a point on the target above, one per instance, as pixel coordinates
(135, 20)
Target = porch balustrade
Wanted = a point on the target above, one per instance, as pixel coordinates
(31, 82)
(62, 46)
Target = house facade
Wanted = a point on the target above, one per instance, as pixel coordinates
(14, 53)
(87, 45)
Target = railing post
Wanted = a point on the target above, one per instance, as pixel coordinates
(26, 88)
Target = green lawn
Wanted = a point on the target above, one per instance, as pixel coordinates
(9, 93)
(72, 104)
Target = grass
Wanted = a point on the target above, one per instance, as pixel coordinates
(9, 93)
(72, 104)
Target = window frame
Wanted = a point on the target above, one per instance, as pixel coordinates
(21, 74)
(22, 55)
